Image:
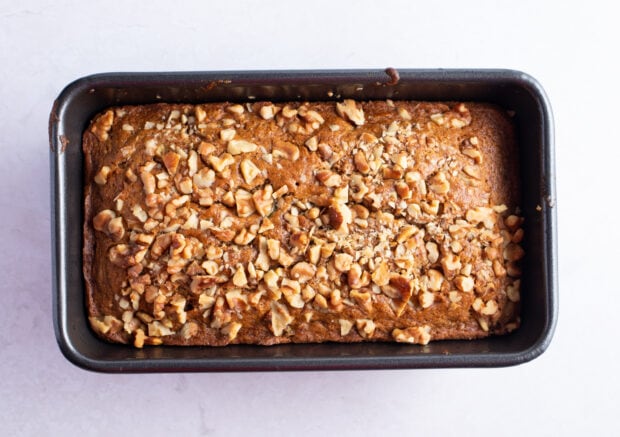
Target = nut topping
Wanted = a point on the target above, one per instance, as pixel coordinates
(148, 180)
(303, 271)
(343, 261)
(286, 150)
(244, 203)
(349, 111)
(439, 183)
(280, 318)
(267, 112)
(116, 229)
(231, 223)
(171, 161)
(249, 171)
(328, 178)
(464, 283)
(381, 275)
(102, 176)
(237, 147)
(361, 163)
(227, 135)
(415, 335)
(219, 163)
(345, 327)
(235, 109)
(263, 200)
(365, 327)
(101, 220)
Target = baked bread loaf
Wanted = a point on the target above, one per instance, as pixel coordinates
(268, 223)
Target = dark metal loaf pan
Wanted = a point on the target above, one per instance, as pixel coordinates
(512, 90)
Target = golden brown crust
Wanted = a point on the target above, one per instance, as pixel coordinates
(301, 222)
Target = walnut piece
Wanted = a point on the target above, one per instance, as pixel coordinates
(303, 271)
(286, 150)
(237, 147)
(101, 178)
(365, 327)
(249, 170)
(349, 111)
(280, 318)
(414, 335)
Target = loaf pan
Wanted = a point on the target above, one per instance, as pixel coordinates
(512, 90)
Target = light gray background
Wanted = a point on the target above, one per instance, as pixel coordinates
(571, 390)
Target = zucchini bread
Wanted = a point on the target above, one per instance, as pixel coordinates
(266, 223)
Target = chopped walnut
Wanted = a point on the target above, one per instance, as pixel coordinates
(450, 264)
(303, 271)
(237, 147)
(244, 237)
(439, 183)
(285, 259)
(361, 163)
(101, 220)
(312, 144)
(249, 170)
(171, 161)
(271, 279)
(244, 203)
(148, 181)
(435, 279)
(473, 154)
(101, 178)
(239, 278)
(432, 252)
(325, 151)
(481, 215)
(200, 113)
(232, 330)
(220, 163)
(349, 111)
(286, 150)
(105, 324)
(115, 228)
(472, 171)
(103, 125)
(204, 178)
(340, 217)
(289, 112)
(365, 327)
(464, 283)
(345, 327)
(227, 134)
(235, 109)
(280, 318)
(314, 254)
(438, 118)
(263, 200)
(343, 261)
(381, 275)
(426, 299)
(329, 178)
(414, 335)
(357, 277)
(267, 112)
(262, 261)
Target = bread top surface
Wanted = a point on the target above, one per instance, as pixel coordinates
(325, 221)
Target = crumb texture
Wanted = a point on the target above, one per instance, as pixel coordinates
(268, 223)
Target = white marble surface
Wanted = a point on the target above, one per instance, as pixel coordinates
(573, 389)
